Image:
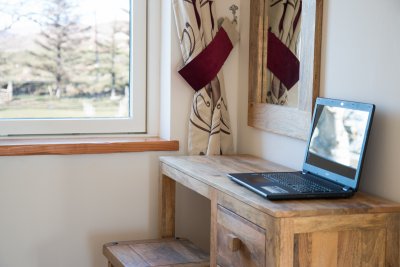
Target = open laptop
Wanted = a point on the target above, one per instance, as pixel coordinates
(333, 159)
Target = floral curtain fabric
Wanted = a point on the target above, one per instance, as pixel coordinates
(204, 48)
(283, 42)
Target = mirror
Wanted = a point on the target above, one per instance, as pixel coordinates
(284, 64)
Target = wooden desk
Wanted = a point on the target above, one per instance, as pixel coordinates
(248, 230)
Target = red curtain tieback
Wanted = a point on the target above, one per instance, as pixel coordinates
(205, 66)
(282, 62)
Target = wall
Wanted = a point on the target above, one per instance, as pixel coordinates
(59, 210)
(360, 62)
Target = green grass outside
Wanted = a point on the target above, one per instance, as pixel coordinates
(28, 106)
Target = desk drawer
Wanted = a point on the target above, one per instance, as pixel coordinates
(239, 241)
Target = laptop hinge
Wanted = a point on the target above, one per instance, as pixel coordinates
(346, 188)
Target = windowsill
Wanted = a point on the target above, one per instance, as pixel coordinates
(84, 145)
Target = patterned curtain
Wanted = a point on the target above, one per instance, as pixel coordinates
(284, 23)
(209, 126)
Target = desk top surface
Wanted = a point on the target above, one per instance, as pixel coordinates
(212, 171)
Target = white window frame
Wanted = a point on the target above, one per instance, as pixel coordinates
(136, 123)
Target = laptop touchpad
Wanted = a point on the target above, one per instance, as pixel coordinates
(258, 179)
(274, 189)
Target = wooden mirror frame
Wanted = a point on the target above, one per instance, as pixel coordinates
(294, 122)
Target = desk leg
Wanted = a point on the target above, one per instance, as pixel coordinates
(393, 240)
(213, 230)
(167, 207)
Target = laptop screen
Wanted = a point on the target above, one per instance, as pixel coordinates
(337, 140)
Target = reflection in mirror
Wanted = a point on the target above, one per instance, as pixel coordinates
(283, 49)
(288, 109)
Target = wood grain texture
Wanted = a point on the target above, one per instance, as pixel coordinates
(286, 242)
(212, 171)
(324, 249)
(273, 243)
(349, 248)
(165, 252)
(213, 228)
(302, 250)
(242, 209)
(234, 230)
(310, 53)
(356, 247)
(264, 43)
(167, 207)
(393, 240)
(122, 255)
(359, 231)
(319, 11)
(256, 49)
(265, 221)
(316, 249)
(373, 248)
(283, 120)
(92, 145)
(279, 119)
(336, 222)
(197, 186)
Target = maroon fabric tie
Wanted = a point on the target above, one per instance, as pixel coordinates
(204, 68)
(282, 62)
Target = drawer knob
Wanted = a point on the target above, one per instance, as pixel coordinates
(234, 243)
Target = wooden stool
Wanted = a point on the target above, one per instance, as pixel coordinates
(161, 252)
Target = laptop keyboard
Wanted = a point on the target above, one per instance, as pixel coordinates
(296, 182)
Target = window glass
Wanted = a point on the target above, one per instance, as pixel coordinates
(72, 59)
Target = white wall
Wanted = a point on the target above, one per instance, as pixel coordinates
(59, 210)
(360, 62)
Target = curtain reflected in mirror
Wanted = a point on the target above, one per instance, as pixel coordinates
(284, 64)
(283, 50)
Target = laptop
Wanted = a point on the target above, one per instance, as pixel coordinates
(333, 158)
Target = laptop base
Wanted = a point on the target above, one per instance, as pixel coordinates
(273, 190)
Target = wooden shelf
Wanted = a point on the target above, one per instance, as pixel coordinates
(87, 145)
(161, 252)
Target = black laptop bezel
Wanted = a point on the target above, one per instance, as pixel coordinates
(332, 176)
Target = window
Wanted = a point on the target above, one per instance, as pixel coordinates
(72, 66)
